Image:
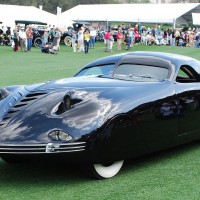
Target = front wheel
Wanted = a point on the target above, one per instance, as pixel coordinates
(103, 171)
(68, 41)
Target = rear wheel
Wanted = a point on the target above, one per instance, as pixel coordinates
(38, 42)
(103, 171)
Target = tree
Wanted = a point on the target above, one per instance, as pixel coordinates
(51, 6)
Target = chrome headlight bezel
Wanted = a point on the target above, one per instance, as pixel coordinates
(59, 135)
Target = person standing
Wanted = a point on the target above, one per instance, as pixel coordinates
(132, 38)
(177, 37)
(106, 39)
(93, 34)
(111, 41)
(172, 43)
(22, 36)
(191, 39)
(128, 39)
(74, 41)
(51, 34)
(29, 36)
(56, 40)
(80, 40)
(46, 36)
(16, 39)
(197, 39)
(86, 38)
(119, 40)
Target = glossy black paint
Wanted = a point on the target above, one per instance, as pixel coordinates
(112, 119)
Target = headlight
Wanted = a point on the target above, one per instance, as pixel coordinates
(64, 136)
(53, 135)
(3, 94)
(60, 135)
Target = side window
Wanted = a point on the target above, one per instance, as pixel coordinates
(187, 74)
(96, 70)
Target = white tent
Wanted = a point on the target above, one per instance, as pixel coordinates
(147, 13)
(10, 13)
(196, 18)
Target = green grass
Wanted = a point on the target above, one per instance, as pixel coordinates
(171, 174)
(27, 68)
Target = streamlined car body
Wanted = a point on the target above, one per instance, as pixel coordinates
(128, 105)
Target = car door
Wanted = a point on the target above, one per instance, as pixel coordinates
(187, 88)
(157, 119)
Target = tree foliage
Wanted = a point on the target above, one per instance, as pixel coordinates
(51, 6)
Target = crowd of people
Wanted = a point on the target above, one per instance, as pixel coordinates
(84, 39)
(153, 36)
(23, 39)
(128, 36)
(174, 37)
(5, 35)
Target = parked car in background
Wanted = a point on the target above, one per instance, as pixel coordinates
(116, 108)
(66, 36)
(38, 30)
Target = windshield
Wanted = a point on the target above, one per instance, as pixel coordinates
(96, 70)
(140, 72)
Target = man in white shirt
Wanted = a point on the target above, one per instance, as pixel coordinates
(22, 36)
(93, 34)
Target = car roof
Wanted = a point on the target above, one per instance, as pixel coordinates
(168, 56)
(115, 59)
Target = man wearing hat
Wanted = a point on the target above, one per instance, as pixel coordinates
(22, 36)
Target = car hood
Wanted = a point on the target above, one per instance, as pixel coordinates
(28, 115)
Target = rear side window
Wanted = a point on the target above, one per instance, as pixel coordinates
(187, 74)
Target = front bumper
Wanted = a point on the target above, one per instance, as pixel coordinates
(49, 148)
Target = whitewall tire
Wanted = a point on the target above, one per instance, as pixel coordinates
(100, 171)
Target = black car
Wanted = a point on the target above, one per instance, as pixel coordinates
(37, 33)
(142, 103)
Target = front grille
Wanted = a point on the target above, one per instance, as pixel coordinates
(41, 148)
(15, 103)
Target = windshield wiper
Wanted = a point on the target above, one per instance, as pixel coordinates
(148, 76)
(104, 75)
(139, 76)
(136, 76)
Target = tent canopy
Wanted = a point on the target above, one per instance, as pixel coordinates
(147, 13)
(196, 18)
(10, 13)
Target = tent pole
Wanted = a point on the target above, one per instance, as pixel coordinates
(107, 24)
(174, 23)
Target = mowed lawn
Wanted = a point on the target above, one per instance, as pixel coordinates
(173, 174)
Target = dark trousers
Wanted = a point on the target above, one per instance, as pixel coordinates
(86, 44)
(16, 44)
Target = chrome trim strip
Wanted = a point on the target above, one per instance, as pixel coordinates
(77, 150)
(39, 144)
(35, 149)
(15, 98)
(41, 148)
